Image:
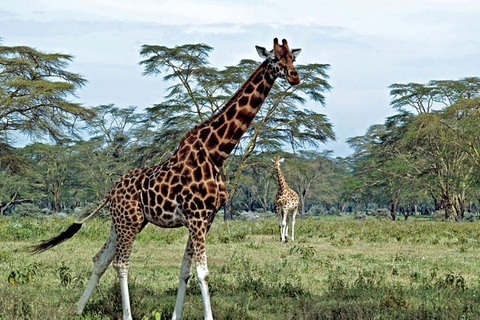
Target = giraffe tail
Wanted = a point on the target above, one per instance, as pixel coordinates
(67, 234)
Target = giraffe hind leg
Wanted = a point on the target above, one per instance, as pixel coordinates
(100, 263)
(287, 220)
(121, 260)
(195, 249)
(293, 224)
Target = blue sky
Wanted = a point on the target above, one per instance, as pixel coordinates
(369, 44)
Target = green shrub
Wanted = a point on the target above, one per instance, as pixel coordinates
(23, 275)
(28, 210)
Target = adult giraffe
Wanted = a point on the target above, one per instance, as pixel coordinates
(185, 190)
(286, 202)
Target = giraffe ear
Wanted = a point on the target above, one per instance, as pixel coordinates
(296, 52)
(281, 160)
(273, 160)
(263, 53)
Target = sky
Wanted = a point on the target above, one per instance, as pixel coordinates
(369, 45)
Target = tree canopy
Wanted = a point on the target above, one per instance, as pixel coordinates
(35, 93)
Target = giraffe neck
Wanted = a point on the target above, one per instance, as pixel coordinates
(282, 184)
(220, 134)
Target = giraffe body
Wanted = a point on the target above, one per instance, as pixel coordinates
(286, 203)
(185, 190)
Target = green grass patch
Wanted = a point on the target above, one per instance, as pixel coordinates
(342, 269)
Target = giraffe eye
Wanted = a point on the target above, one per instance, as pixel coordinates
(275, 59)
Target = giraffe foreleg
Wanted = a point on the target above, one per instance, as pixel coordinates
(281, 220)
(101, 261)
(284, 225)
(199, 245)
(185, 274)
(198, 233)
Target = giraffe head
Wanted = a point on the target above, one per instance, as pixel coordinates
(277, 161)
(282, 59)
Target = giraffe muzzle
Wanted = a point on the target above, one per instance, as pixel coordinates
(293, 80)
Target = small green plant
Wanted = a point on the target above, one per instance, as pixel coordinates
(232, 237)
(94, 316)
(335, 284)
(306, 252)
(164, 314)
(394, 299)
(451, 280)
(23, 275)
(292, 290)
(369, 279)
(64, 273)
(3, 256)
(155, 316)
(252, 245)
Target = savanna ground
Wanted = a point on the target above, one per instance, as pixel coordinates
(335, 269)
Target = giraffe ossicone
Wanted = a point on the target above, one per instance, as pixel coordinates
(185, 190)
(286, 203)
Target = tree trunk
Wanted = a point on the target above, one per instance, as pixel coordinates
(56, 199)
(302, 204)
(227, 210)
(438, 204)
(454, 206)
(393, 208)
(449, 211)
(9, 203)
(460, 206)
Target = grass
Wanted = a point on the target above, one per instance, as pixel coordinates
(336, 269)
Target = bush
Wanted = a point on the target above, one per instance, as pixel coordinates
(27, 210)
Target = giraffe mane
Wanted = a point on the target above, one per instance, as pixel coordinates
(227, 105)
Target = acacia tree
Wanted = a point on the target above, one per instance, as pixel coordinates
(113, 148)
(438, 94)
(466, 113)
(460, 124)
(436, 145)
(195, 92)
(443, 164)
(357, 189)
(34, 93)
(311, 176)
(15, 175)
(198, 90)
(35, 89)
(377, 173)
(420, 97)
(413, 155)
(54, 171)
(257, 186)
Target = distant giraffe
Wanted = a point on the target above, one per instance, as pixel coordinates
(286, 202)
(185, 190)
